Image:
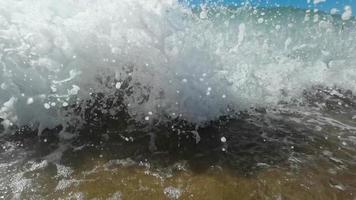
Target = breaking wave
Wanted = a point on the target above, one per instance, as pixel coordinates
(160, 60)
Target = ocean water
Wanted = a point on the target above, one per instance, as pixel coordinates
(151, 99)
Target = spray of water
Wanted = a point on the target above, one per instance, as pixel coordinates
(163, 60)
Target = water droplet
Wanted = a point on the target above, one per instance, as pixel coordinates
(260, 20)
(47, 106)
(30, 101)
(347, 13)
(223, 139)
(118, 85)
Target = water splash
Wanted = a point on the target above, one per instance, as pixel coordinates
(162, 60)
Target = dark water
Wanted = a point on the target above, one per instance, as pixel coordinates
(304, 150)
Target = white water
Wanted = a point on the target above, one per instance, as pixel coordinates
(52, 54)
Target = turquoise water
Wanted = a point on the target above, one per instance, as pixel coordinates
(325, 6)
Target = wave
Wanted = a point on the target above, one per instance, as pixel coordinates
(159, 60)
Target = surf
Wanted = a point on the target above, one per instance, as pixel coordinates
(159, 61)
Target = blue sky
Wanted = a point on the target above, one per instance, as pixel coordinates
(325, 6)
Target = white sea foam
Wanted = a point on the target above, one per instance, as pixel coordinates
(168, 59)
